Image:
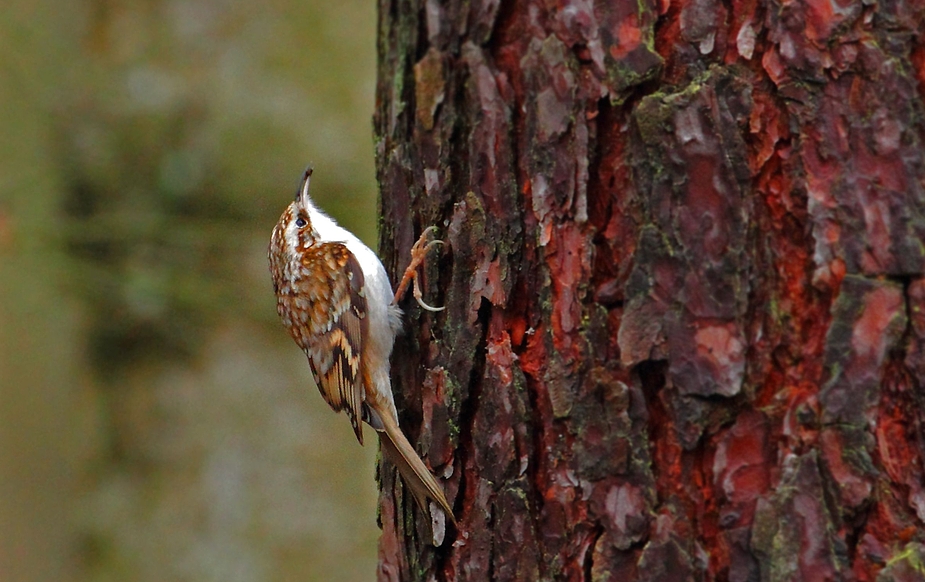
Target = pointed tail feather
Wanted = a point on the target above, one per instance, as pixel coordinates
(417, 476)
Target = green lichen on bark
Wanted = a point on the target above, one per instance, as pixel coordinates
(906, 565)
(868, 319)
(637, 65)
(797, 514)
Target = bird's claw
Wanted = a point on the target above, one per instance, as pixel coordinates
(418, 297)
(418, 254)
(422, 240)
(421, 246)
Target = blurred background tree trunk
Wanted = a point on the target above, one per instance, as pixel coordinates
(684, 334)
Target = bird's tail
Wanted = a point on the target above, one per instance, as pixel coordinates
(417, 476)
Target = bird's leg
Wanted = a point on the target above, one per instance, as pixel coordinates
(418, 254)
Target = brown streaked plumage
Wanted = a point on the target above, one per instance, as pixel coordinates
(327, 313)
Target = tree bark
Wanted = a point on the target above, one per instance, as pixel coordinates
(684, 335)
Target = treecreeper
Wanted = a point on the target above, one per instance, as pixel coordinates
(335, 299)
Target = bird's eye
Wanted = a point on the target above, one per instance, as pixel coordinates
(300, 222)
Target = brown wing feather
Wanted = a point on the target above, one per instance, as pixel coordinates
(338, 327)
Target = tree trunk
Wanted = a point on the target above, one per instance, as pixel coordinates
(684, 335)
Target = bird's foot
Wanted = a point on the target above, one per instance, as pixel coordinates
(418, 255)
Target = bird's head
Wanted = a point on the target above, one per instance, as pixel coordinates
(294, 229)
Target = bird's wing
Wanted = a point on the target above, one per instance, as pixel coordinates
(338, 327)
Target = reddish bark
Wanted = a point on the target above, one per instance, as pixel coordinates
(684, 280)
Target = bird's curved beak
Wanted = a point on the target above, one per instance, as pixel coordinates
(301, 196)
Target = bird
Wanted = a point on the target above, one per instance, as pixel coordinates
(335, 299)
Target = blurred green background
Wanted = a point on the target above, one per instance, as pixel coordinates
(156, 421)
